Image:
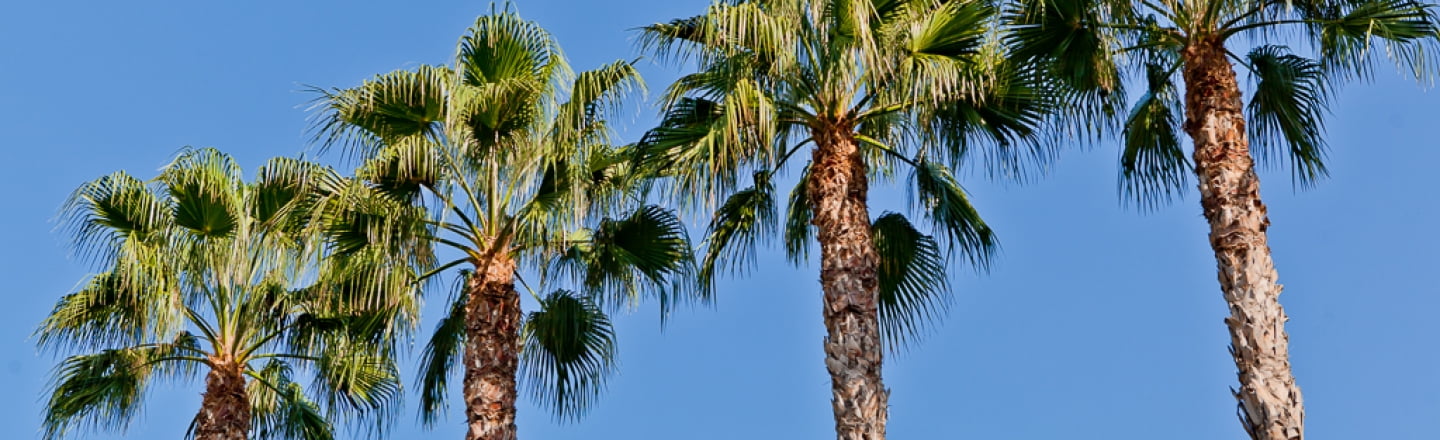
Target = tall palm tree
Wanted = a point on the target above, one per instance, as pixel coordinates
(200, 276)
(508, 172)
(1190, 43)
(873, 88)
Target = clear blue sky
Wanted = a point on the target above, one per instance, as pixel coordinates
(1096, 323)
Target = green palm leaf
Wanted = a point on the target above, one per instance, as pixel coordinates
(441, 351)
(279, 408)
(1288, 108)
(1153, 167)
(569, 350)
(746, 217)
(913, 287)
(948, 207)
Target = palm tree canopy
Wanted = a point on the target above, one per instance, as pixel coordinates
(1086, 44)
(200, 268)
(508, 154)
(916, 83)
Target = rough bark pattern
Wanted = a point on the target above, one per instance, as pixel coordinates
(848, 267)
(492, 348)
(225, 408)
(1270, 406)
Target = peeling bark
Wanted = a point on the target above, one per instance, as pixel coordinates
(225, 408)
(848, 268)
(492, 348)
(1270, 406)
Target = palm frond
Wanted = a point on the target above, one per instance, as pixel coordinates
(746, 217)
(445, 346)
(204, 186)
(945, 203)
(647, 253)
(798, 230)
(1407, 32)
(279, 408)
(913, 287)
(569, 350)
(103, 212)
(104, 390)
(1153, 167)
(1288, 108)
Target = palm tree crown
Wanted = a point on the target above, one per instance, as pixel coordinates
(874, 88)
(202, 271)
(1078, 42)
(493, 159)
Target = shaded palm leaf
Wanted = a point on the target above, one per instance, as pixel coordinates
(946, 205)
(747, 216)
(913, 288)
(442, 350)
(1288, 108)
(279, 409)
(1153, 167)
(568, 352)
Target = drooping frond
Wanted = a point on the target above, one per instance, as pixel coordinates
(1288, 109)
(646, 253)
(280, 410)
(945, 203)
(568, 351)
(1153, 167)
(913, 287)
(1354, 35)
(354, 381)
(104, 390)
(745, 218)
(445, 346)
(798, 229)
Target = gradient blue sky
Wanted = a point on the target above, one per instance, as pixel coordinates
(1096, 323)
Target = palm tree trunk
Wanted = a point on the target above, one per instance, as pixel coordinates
(492, 348)
(1270, 407)
(848, 267)
(225, 408)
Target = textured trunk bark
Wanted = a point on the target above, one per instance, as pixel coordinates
(1270, 407)
(492, 348)
(225, 408)
(848, 266)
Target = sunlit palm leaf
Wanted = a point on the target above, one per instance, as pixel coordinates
(104, 390)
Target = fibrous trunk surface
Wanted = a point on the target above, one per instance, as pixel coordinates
(848, 268)
(492, 337)
(225, 408)
(1270, 406)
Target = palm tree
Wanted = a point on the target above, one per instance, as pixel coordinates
(1079, 41)
(506, 172)
(202, 251)
(874, 88)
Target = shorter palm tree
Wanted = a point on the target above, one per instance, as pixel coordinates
(200, 275)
